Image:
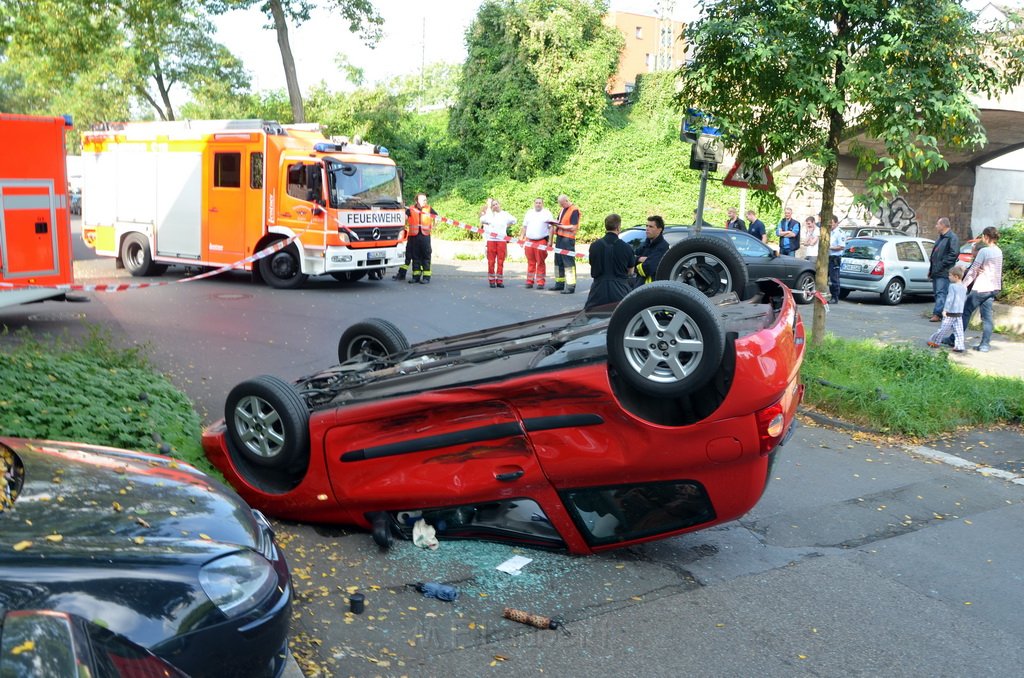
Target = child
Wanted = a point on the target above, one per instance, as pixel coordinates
(951, 312)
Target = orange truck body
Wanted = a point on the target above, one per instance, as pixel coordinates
(213, 193)
(35, 225)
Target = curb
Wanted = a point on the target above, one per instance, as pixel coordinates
(919, 450)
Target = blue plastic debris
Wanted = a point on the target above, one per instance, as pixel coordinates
(440, 591)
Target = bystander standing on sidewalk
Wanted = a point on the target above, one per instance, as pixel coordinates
(952, 311)
(812, 233)
(985, 280)
(788, 232)
(836, 245)
(944, 257)
(755, 227)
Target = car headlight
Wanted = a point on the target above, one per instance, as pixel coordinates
(238, 582)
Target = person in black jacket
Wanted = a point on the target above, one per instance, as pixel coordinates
(650, 253)
(611, 263)
(944, 257)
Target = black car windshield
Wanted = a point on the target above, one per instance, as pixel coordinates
(352, 185)
(864, 248)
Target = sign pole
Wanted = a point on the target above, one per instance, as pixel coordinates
(699, 220)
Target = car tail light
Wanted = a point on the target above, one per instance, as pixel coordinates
(879, 268)
(771, 425)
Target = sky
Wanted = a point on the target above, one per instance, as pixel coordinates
(406, 22)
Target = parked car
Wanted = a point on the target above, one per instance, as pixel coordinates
(582, 431)
(889, 266)
(148, 547)
(966, 256)
(759, 260)
(35, 643)
(869, 231)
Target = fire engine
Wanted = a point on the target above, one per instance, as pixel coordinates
(35, 227)
(212, 193)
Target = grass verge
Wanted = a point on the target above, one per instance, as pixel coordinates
(905, 390)
(94, 392)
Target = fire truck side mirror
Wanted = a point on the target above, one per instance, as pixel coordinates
(317, 211)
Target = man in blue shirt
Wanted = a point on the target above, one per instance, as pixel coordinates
(788, 231)
(755, 226)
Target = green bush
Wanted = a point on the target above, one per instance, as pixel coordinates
(905, 390)
(1011, 242)
(95, 393)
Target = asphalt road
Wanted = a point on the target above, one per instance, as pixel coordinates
(862, 559)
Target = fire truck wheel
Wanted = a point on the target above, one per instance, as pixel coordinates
(665, 339)
(371, 339)
(137, 258)
(282, 270)
(711, 265)
(349, 276)
(267, 421)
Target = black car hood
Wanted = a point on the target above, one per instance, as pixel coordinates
(117, 537)
(109, 499)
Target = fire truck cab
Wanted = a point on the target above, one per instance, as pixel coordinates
(35, 227)
(213, 193)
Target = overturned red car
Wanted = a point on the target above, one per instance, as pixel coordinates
(582, 431)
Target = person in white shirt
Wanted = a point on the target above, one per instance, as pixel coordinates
(836, 245)
(812, 233)
(985, 280)
(534, 239)
(496, 231)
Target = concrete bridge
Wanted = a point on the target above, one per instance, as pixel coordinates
(970, 195)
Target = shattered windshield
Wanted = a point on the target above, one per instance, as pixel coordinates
(354, 185)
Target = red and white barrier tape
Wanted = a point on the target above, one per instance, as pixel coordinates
(524, 244)
(121, 287)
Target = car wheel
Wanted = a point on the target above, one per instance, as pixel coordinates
(373, 339)
(805, 288)
(137, 258)
(893, 293)
(348, 276)
(844, 293)
(665, 339)
(282, 270)
(268, 422)
(711, 265)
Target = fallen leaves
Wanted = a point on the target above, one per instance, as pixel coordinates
(22, 545)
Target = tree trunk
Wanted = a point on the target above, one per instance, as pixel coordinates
(294, 93)
(165, 93)
(836, 125)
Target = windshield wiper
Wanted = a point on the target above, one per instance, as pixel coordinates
(386, 202)
(357, 203)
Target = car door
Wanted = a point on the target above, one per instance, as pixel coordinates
(761, 260)
(429, 451)
(914, 264)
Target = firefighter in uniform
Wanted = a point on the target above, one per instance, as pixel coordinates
(419, 219)
(565, 239)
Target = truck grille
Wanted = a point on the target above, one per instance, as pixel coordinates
(365, 234)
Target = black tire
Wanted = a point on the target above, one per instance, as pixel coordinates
(805, 288)
(844, 293)
(268, 422)
(348, 276)
(282, 270)
(711, 265)
(892, 295)
(373, 338)
(666, 339)
(137, 258)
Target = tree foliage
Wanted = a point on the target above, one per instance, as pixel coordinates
(95, 59)
(533, 82)
(361, 16)
(789, 78)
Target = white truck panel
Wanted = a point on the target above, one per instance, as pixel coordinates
(136, 185)
(179, 203)
(99, 190)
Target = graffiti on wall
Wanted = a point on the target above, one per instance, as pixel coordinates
(900, 215)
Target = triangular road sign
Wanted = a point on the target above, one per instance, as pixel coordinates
(748, 176)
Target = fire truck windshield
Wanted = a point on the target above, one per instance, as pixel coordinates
(362, 186)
